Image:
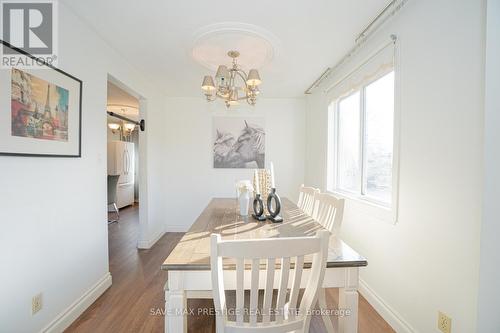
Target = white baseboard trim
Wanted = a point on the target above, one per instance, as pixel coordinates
(147, 244)
(68, 316)
(389, 314)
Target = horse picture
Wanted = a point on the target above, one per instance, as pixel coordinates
(239, 142)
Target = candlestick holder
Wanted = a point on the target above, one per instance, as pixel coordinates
(258, 208)
(274, 212)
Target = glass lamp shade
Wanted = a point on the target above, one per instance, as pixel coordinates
(253, 78)
(222, 76)
(222, 72)
(208, 84)
(129, 127)
(114, 126)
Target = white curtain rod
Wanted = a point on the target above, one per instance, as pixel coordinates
(380, 19)
(372, 55)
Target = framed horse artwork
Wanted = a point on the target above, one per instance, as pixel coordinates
(239, 142)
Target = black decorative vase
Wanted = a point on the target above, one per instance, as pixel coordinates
(274, 213)
(258, 208)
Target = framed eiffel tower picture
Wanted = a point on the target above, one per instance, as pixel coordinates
(40, 112)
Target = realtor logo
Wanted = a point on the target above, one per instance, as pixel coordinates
(31, 27)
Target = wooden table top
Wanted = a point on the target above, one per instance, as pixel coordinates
(222, 216)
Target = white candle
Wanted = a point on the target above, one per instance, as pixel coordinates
(272, 176)
(257, 185)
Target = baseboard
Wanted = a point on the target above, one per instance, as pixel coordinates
(389, 314)
(147, 244)
(68, 316)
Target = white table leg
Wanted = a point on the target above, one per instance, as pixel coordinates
(348, 300)
(175, 311)
(219, 324)
(323, 306)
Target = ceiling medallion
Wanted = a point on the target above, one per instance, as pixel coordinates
(232, 84)
(258, 47)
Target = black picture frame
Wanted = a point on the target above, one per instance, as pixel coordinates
(80, 84)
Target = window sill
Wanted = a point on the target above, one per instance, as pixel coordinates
(368, 207)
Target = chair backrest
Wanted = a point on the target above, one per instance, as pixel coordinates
(112, 185)
(307, 199)
(263, 253)
(329, 212)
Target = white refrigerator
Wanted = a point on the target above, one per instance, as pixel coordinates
(121, 161)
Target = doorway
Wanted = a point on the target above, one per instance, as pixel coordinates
(126, 147)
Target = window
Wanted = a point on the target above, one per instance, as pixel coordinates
(362, 141)
(349, 166)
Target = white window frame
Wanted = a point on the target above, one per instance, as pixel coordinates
(358, 201)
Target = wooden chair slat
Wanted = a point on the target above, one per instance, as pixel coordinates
(254, 291)
(240, 292)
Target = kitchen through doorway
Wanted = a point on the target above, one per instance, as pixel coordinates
(123, 154)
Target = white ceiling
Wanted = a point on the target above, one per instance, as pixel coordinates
(157, 36)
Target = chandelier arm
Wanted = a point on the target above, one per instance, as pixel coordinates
(243, 76)
(242, 73)
(231, 79)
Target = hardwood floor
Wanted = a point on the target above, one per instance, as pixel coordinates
(135, 301)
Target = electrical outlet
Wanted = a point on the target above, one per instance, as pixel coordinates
(36, 303)
(444, 322)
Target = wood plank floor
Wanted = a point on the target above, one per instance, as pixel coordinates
(135, 301)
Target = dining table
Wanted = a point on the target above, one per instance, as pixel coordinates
(188, 265)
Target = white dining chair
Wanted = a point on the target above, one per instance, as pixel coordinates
(307, 199)
(285, 317)
(329, 212)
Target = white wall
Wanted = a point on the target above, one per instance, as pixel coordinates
(488, 320)
(191, 179)
(429, 260)
(53, 217)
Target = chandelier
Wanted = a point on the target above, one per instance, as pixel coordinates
(227, 87)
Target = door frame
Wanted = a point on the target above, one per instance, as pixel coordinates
(143, 241)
